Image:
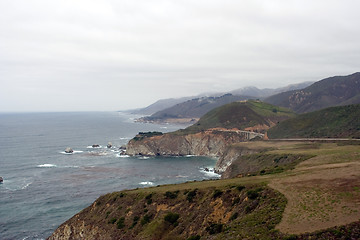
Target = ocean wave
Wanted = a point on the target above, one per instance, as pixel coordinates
(32, 237)
(122, 156)
(96, 153)
(181, 176)
(17, 185)
(49, 165)
(143, 157)
(124, 138)
(71, 166)
(46, 165)
(210, 172)
(26, 185)
(147, 183)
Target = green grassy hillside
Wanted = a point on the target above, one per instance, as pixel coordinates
(241, 115)
(332, 122)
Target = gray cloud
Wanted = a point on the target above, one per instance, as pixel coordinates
(109, 55)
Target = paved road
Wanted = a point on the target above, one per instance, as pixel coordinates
(314, 139)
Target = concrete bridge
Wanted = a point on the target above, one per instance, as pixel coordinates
(250, 135)
(246, 134)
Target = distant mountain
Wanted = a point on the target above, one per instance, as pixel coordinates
(333, 91)
(252, 92)
(160, 105)
(249, 115)
(192, 109)
(266, 92)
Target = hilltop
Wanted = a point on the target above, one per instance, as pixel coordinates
(333, 91)
(190, 111)
(160, 105)
(334, 122)
(244, 115)
(266, 92)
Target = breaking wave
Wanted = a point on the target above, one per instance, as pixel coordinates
(147, 183)
(46, 165)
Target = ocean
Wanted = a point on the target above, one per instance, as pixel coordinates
(43, 186)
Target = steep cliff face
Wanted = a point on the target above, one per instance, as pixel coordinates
(207, 143)
(231, 154)
(78, 228)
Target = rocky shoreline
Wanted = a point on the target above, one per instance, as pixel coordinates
(211, 143)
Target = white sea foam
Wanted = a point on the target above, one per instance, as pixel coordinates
(46, 165)
(124, 138)
(122, 156)
(63, 152)
(100, 153)
(32, 237)
(210, 173)
(26, 185)
(147, 183)
(143, 157)
(16, 185)
(94, 147)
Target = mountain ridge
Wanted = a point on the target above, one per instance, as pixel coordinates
(250, 91)
(328, 92)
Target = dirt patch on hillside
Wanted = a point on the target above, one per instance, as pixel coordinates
(320, 197)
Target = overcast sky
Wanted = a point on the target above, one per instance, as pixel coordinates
(74, 55)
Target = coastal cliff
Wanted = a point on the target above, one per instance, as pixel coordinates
(212, 142)
(232, 153)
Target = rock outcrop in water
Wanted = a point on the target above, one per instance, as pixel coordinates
(69, 150)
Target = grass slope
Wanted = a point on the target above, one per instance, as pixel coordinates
(229, 211)
(332, 122)
(241, 115)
